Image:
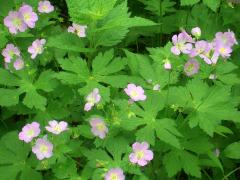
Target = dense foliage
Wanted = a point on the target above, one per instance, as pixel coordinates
(117, 89)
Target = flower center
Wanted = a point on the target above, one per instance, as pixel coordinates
(17, 22)
(30, 133)
(134, 93)
(57, 128)
(140, 154)
(190, 68)
(114, 176)
(27, 16)
(100, 127)
(43, 149)
(45, 7)
(180, 45)
(38, 50)
(222, 50)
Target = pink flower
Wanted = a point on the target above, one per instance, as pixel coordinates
(136, 93)
(114, 174)
(191, 67)
(36, 48)
(45, 7)
(9, 52)
(225, 38)
(28, 16)
(99, 127)
(29, 131)
(57, 127)
(43, 148)
(196, 32)
(92, 99)
(224, 51)
(201, 48)
(80, 30)
(181, 43)
(141, 154)
(18, 64)
(14, 22)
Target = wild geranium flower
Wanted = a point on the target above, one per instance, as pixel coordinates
(181, 43)
(43, 148)
(45, 7)
(56, 127)
(29, 17)
(36, 47)
(92, 99)
(18, 64)
(29, 131)
(191, 67)
(80, 30)
(14, 22)
(224, 51)
(114, 174)
(9, 52)
(141, 155)
(225, 38)
(196, 32)
(201, 48)
(99, 127)
(136, 93)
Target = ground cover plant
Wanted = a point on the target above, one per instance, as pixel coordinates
(117, 89)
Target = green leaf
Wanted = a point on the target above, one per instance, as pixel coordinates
(34, 99)
(157, 9)
(83, 12)
(212, 4)
(189, 2)
(67, 41)
(13, 155)
(177, 160)
(232, 150)
(77, 70)
(117, 147)
(147, 134)
(9, 97)
(8, 79)
(45, 81)
(166, 131)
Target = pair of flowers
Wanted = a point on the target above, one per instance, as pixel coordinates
(43, 148)
(136, 93)
(141, 155)
(78, 29)
(12, 53)
(25, 17)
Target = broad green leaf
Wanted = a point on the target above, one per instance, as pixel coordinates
(33, 99)
(189, 2)
(8, 79)
(67, 41)
(232, 150)
(13, 155)
(45, 81)
(9, 97)
(174, 161)
(212, 4)
(166, 131)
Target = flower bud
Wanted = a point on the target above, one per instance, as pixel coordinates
(196, 32)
